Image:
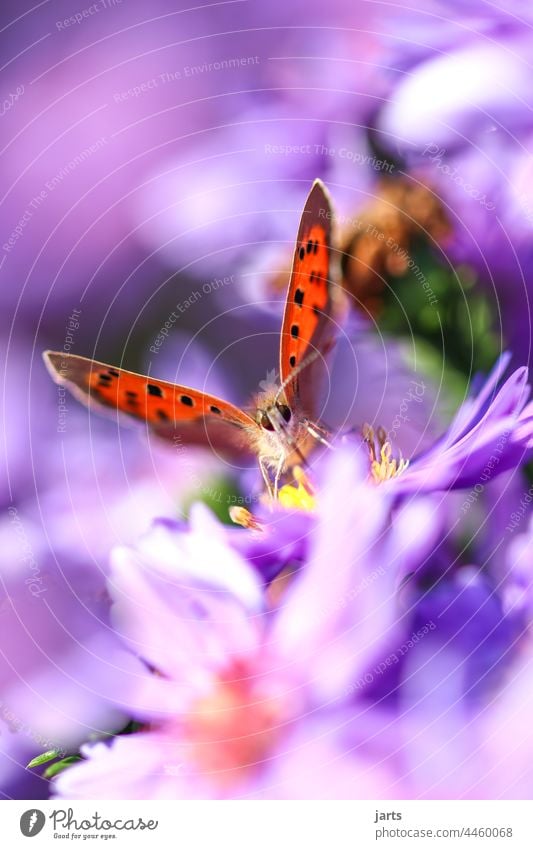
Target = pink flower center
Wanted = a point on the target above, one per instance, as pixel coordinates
(232, 730)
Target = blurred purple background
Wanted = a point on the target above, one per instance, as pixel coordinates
(151, 151)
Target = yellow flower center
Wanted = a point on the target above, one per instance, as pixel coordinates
(298, 495)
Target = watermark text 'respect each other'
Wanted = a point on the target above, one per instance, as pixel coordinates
(182, 306)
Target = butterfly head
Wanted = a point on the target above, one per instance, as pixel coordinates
(279, 427)
(283, 434)
(273, 416)
(270, 408)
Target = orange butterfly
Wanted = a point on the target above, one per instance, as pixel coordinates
(281, 429)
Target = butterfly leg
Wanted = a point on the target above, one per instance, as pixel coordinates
(278, 476)
(266, 476)
(317, 433)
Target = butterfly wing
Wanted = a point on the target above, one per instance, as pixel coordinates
(168, 409)
(307, 323)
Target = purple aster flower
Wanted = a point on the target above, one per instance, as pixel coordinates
(249, 701)
(491, 433)
(442, 746)
(368, 678)
(458, 691)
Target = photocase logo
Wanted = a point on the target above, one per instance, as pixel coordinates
(32, 822)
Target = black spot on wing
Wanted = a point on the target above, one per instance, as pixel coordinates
(154, 390)
(131, 398)
(187, 400)
(295, 330)
(299, 297)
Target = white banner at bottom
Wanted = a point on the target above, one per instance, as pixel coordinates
(265, 824)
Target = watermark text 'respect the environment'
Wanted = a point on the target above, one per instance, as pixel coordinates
(188, 71)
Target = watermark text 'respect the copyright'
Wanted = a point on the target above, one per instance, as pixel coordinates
(355, 156)
(86, 13)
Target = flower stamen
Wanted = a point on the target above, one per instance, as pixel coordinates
(383, 465)
(242, 516)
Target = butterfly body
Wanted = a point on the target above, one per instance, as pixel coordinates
(280, 429)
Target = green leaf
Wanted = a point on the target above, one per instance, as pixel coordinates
(459, 321)
(218, 494)
(54, 769)
(43, 759)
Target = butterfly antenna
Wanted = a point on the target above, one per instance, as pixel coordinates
(296, 371)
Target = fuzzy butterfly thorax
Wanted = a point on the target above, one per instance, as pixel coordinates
(282, 428)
